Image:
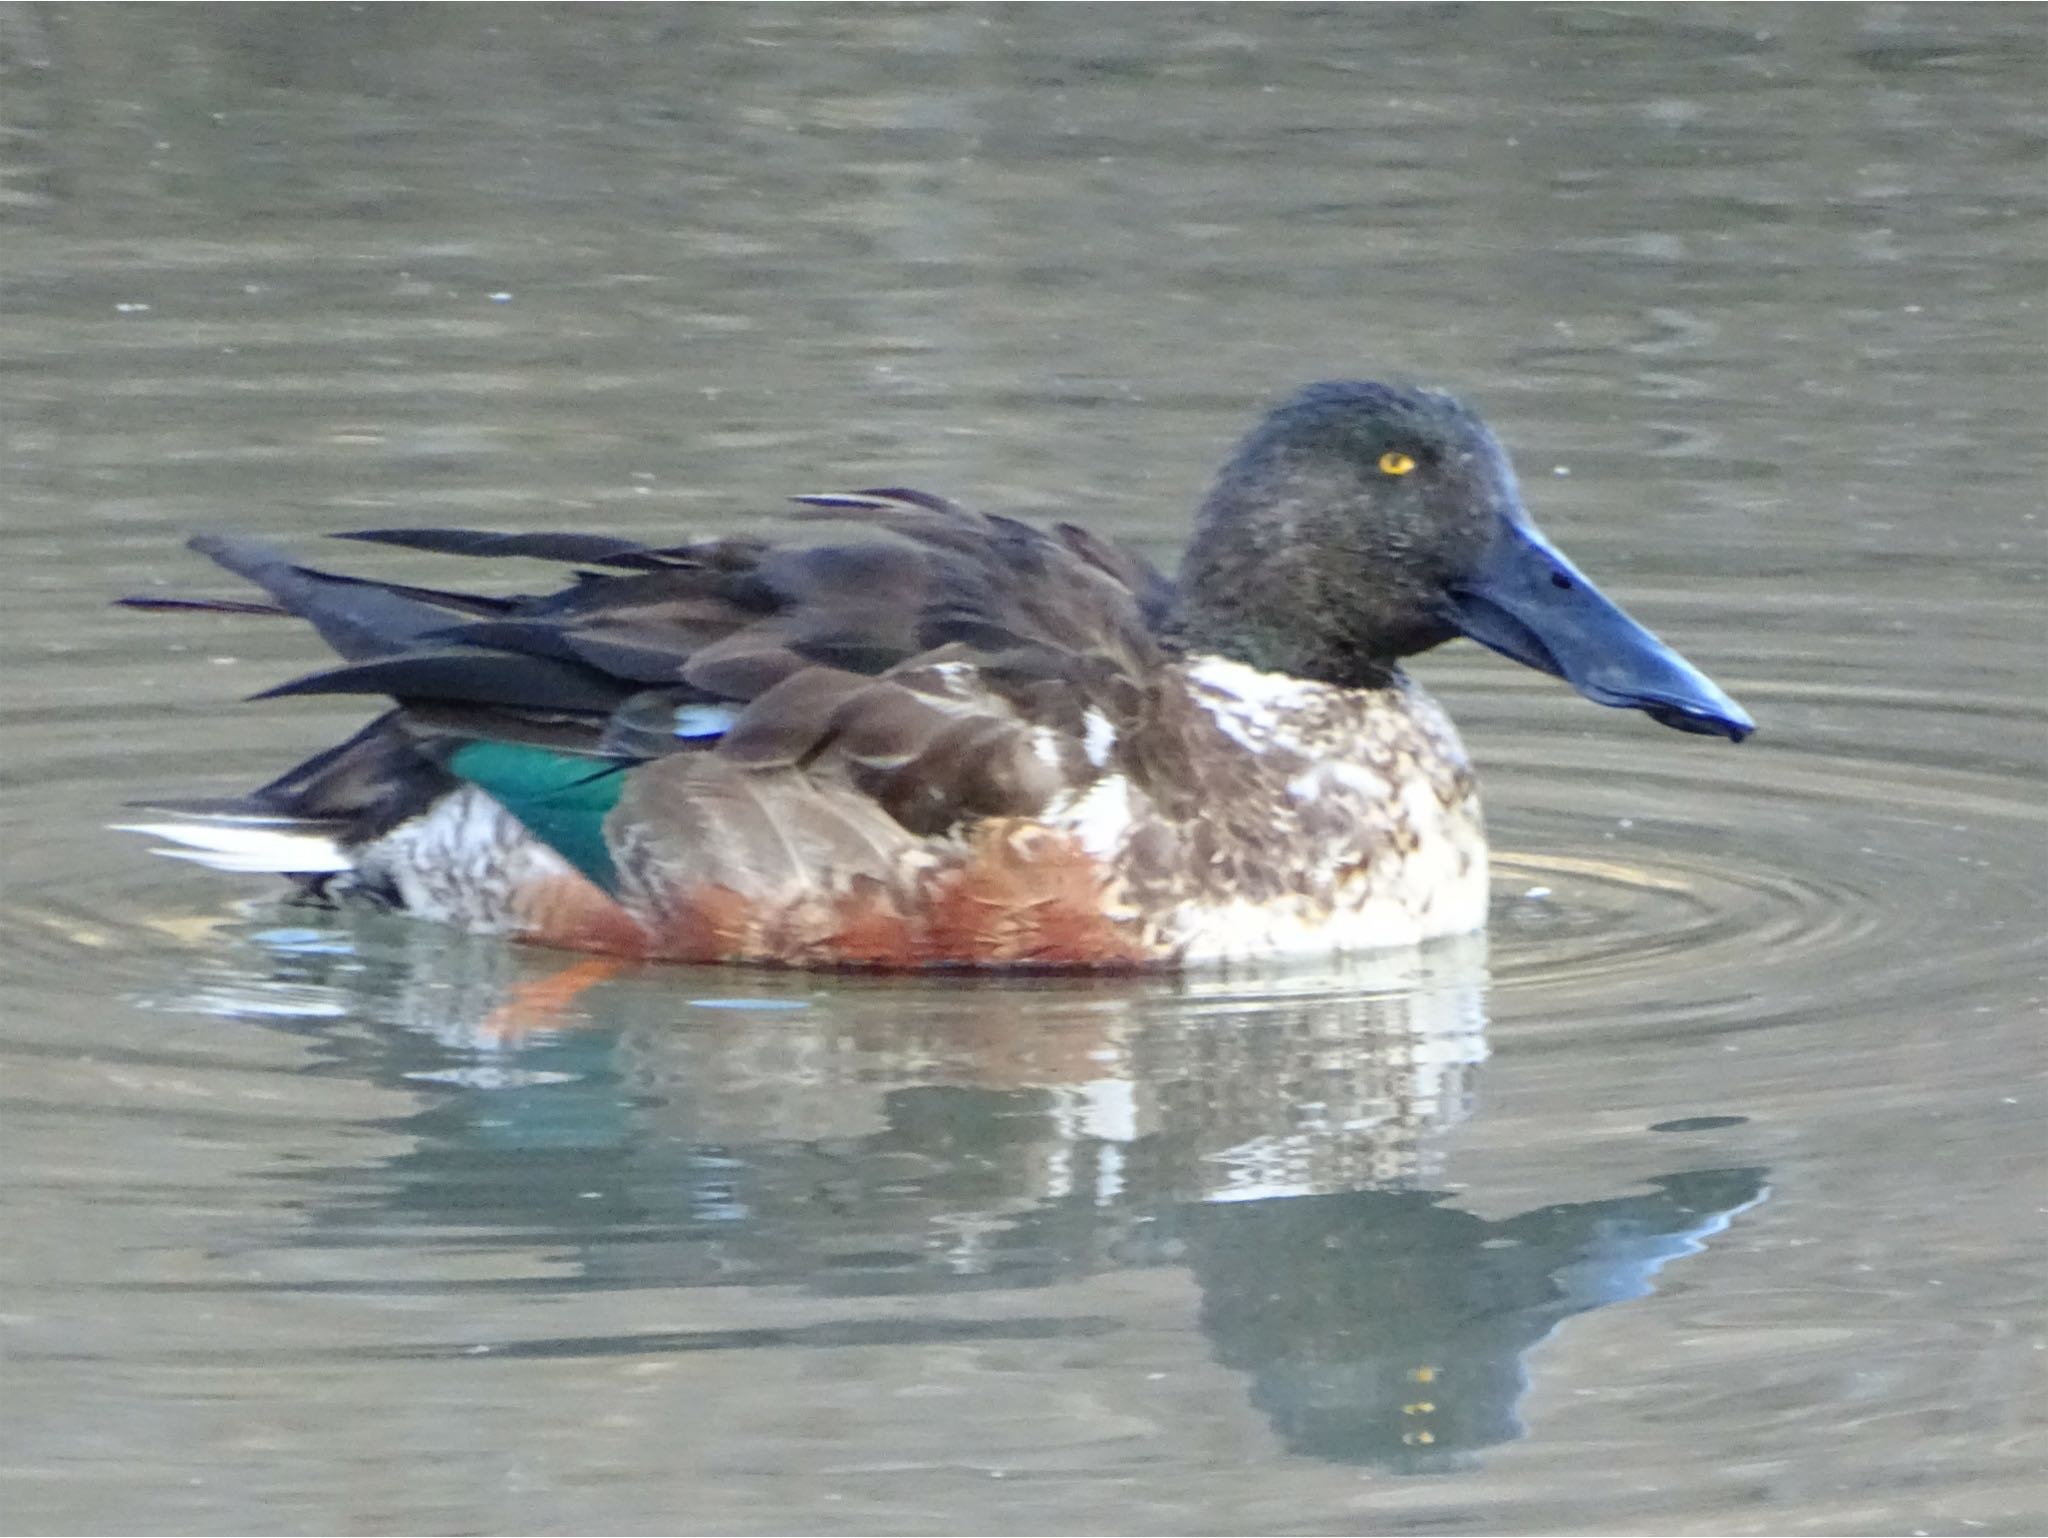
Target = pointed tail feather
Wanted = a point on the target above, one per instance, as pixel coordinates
(168, 605)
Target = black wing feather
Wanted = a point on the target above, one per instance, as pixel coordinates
(521, 681)
(923, 648)
(598, 549)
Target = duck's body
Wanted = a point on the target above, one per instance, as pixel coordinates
(948, 739)
(1274, 841)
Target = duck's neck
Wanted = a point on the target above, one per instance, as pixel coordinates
(1258, 589)
(1209, 626)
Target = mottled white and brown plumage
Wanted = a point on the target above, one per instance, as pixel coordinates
(935, 737)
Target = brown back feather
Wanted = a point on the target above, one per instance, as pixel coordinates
(938, 661)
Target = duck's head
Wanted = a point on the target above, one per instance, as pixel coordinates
(1360, 524)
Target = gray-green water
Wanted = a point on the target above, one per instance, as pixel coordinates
(1706, 1195)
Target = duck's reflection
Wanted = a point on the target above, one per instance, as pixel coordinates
(1276, 1140)
(1387, 1327)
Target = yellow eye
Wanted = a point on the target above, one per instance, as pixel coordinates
(1394, 462)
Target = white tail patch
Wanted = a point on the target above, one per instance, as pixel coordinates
(248, 846)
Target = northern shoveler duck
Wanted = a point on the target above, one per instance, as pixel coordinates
(932, 737)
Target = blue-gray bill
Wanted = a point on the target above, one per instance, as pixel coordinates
(1526, 601)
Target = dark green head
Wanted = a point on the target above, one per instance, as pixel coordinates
(1361, 523)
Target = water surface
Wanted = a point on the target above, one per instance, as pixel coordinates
(1703, 1195)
